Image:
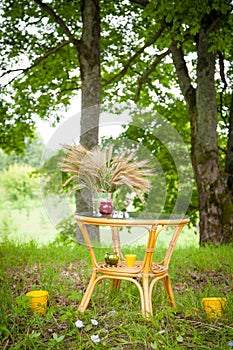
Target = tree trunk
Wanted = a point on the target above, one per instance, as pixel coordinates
(89, 60)
(215, 201)
(229, 155)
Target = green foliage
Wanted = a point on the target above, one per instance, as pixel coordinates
(45, 76)
(67, 227)
(18, 182)
(7, 225)
(45, 83)
(149, 78)
(32, 155)
(14, 136)
(51, 174)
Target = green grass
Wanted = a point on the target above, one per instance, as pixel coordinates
(64, 269)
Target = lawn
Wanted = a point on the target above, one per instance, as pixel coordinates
(33, 256)
(63, 269)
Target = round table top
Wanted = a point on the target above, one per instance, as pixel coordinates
(131, 219)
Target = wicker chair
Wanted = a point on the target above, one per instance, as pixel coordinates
(144, 274)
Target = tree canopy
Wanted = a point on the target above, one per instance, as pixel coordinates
(32, 155)
(167, 56)
(189, 45)
(40, 71)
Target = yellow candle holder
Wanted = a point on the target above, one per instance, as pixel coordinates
(38, 301)
(130, 259)
(214, 306)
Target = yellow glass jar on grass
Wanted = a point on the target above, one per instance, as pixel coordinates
(38, 300)
(214, 306)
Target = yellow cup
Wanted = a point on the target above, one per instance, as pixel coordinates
(214, 306)
(130, 259)
(38, 300)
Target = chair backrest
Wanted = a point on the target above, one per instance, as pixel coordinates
(154, 233)
(173, 241)
(154, 228)
(151, 249)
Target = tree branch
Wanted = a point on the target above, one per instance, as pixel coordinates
(59, 21)
(182, 71)
(35, 22)
(213, 19)
(70, 89)
(141, 2)
(145, 76)
(35, 63)
(223, 150)
(223, 79)
(132, 58)
(11, 71)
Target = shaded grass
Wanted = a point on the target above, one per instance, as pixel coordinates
(64, 270)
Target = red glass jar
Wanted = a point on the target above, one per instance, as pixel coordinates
(106, 208)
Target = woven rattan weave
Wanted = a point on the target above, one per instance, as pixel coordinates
(144, 274)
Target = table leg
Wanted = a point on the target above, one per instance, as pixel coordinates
(115, 284)
(116, 241)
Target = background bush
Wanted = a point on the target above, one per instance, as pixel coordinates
(18, 182)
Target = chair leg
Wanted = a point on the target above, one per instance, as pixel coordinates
(168, 290)
(147, 298)
(88, 293)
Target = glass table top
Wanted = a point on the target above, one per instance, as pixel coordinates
(133, 216)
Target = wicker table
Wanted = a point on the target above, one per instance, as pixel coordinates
(144, 274)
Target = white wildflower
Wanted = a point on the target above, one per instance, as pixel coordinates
(112, 313)
(94, 322)
(79, 324)
(95, 338)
